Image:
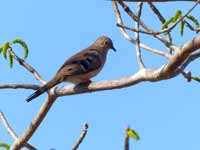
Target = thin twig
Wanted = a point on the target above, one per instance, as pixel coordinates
(82, 136)
(19, 86)
(11, 131)
(191, 27)
(137, 37)
(27, 66)
(126, 139)
(162, 20)
(157, 12)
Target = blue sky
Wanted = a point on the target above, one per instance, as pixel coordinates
(165, 114)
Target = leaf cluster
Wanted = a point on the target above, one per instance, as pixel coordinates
(6, 48)
(183, 21)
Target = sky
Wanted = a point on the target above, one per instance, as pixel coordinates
(165, 114)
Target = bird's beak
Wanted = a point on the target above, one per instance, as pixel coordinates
(113, 48)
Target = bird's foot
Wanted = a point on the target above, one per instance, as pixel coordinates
(82, 85)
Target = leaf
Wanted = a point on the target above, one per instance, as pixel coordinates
(193, 19)
(133, 134)
(177, 15)
(165, 24)
(181, 27)
(196, 79)
(6, 146)
(10, 59)
(23, 44)
(5, 48)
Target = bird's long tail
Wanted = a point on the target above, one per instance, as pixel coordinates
(43, 89)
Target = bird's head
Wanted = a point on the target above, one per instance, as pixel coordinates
(105, 43)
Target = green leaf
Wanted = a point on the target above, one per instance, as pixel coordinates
(196, 79)
(193, 19)
(181, 27)
(10, 59)
(6, 146)
(5, 48)
(133, 134)
(177, 15)
(23, 44)
(167, 22)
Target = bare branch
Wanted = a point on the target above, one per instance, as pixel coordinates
(129, 38)
(11, 131)
(162, 20)
(133, 29)
(35, 123)
(19, 86)
(27, 66)
(137, 39)
(82, 136)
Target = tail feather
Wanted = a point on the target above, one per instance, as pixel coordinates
(43, 89)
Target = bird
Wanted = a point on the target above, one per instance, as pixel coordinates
(81, 67)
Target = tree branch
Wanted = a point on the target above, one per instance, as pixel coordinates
(137, 38)
(19, 86)
(27, 66)
(34, 124)
(126, 139)
(82, 136)
(11, 131)
(162, 20)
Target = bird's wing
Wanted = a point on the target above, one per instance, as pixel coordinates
(81, 63)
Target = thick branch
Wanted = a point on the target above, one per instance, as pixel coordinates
(182, 55)
(19, 143)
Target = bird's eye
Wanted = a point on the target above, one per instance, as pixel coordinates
(105, 43)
